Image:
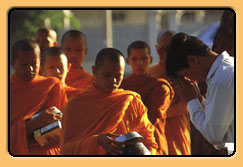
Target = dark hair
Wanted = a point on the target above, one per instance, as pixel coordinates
(109, 53)
(73, 34)
(50, 32)
(181, 46)
(24, 45)
(137, 45)
(52, 51)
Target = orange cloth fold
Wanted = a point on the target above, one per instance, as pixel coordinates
(79, 78)
(27, 98)
(177, 128)
(71, 91)
(157, 95)
(93, 112)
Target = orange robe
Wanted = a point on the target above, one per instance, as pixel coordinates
(79, 78)
(71, 91)
(93, 112)
(27, 98)
(177, 128)
(157, 95)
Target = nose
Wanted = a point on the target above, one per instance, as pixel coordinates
(140, 62)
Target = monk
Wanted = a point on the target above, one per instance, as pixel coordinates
(30, 93)
(102, 112)
(163, 41)
(73, 44)
(55, 64)
(156, 94)
(177, 128)
(46, 38)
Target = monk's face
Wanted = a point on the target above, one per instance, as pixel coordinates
(139, 60)
(109, 75)
(161, 48)
(56, 66)
(27, 64)
(75, 50)
(44, 41)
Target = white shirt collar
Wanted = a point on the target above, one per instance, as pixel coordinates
(216, 64)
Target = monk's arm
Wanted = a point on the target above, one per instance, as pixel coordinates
(143, 126)
(158, 102)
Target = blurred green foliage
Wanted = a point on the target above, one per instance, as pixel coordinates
(24, 23)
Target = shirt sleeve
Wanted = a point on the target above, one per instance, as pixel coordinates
(213, 121)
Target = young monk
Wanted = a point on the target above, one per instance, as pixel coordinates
(156, 94)
(103, 111)
(177, 128)
(74, 46)
(30, 93)
(55, 64)
(46, 38)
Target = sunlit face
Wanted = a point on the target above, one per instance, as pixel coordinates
(75, 50)
(139, 60)
(27, 64)
(44, 41)
(108, 76)
(161, 48)
(56, 66)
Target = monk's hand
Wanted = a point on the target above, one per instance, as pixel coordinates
(185, 89)
(111, 146)
(50, 112)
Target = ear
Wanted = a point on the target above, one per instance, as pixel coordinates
(94, 70)
(55, 43)
(127, 60)
(86, 51)
(151, 59)
(192, 60)
(69, 66)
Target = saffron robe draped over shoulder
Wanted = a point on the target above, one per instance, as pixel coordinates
(71, 91)
(92, 112)
(157, 95)
(79, 78)
(177, 128)
(27, 98)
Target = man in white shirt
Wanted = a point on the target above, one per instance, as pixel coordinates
(188, 61)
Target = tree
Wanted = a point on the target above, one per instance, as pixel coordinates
(24, 23)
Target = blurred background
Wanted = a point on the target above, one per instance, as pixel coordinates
(114, 28)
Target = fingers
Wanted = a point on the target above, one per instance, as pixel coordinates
(112, 135)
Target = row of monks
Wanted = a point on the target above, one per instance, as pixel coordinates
(97, 107)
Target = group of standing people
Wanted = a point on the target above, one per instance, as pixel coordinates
(159, 102)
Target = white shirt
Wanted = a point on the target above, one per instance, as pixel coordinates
(214, 116)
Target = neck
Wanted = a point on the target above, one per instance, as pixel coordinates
(208, 61)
